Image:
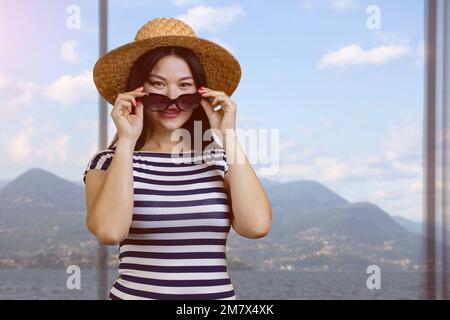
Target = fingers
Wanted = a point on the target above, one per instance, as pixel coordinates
(139, 109)
(127, 100)
(126, 108)
(130, 97)
(205, 92)
(218, 100)
(207, 107)
(139, 92)
(213, 96)
(121, 107)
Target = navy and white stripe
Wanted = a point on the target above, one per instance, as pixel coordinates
(176, 246)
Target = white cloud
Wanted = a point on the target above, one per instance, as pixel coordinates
(68, 53)
(68, 89)
(402, 198)
(390, 178)
(16, 95)
(337, 6)
(27, 92)
(19, 148)
(17, 91)
(31, 146)
(329, 169)
(343, 5)
(54, 150)
(354, 55)
(211, 19)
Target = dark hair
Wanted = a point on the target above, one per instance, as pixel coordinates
(139, 73)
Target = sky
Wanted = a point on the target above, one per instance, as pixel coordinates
(340, 82)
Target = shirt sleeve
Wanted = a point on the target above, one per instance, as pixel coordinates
(100, 160)
(221, 161)
(225, 164)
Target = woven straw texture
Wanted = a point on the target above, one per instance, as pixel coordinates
(111, 71)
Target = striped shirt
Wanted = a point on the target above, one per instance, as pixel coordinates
(176, 246)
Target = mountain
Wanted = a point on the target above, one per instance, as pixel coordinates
(313, 228)
(301, 195)
(40, 191)
(415, 226)
(412, 226)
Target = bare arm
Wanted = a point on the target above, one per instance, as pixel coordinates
(110, 196)
(251, 212)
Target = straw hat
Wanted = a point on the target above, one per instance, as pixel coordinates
(111, 71)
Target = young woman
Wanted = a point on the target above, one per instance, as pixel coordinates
(171, 214)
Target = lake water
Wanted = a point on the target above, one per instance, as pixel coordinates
(277, 285)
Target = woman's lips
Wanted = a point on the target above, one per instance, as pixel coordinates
(170, 115)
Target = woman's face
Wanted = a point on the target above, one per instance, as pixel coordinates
(172, 77)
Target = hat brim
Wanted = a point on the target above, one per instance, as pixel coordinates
(111, 71)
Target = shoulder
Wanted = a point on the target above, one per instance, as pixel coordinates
(101, 155)
(217, 156)
(99, 160)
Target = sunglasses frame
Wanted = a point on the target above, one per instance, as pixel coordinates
(173, 101)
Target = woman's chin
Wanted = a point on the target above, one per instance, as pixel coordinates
(171, 124)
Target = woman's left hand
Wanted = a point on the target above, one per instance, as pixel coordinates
(224, 118)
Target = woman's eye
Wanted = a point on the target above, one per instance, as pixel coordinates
(188, 84)
(156, 82)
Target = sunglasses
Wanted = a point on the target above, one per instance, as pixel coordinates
(159, 102)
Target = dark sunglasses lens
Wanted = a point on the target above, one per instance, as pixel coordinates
(188, 102)
(154, 102)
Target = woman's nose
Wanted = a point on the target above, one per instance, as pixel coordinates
(173, 94)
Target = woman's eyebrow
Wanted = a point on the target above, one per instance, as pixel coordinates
(162, 78)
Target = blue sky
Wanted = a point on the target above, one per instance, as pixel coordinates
(347, 100)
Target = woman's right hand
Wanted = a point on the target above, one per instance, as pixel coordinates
(128, 125)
